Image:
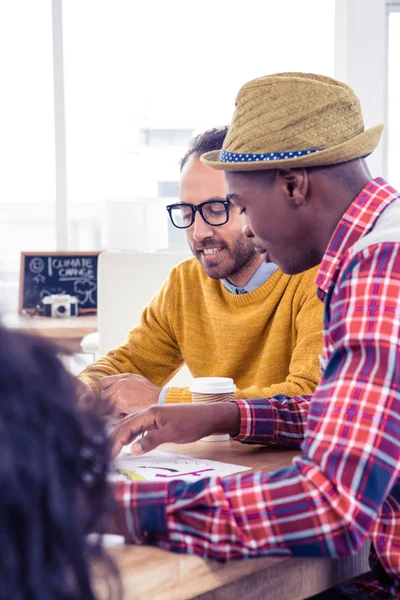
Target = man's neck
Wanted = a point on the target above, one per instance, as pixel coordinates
(334, 199)
(240, 278)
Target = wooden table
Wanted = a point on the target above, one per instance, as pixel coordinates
(148, 572)
(66, 332)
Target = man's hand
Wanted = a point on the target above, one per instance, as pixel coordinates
(179, 423)
(128, 393)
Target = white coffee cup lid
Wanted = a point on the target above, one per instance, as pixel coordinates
(213, 385)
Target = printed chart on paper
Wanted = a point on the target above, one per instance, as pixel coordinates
(164, 466)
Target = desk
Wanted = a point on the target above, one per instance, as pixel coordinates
(66, 332)
(148, 572)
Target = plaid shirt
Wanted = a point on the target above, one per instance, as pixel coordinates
(345, 487)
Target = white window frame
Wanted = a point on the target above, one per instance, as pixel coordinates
(61, 203)
(393, 6)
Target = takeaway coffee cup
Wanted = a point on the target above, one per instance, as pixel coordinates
(213, 389)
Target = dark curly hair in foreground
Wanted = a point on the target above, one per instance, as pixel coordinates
(53, 490)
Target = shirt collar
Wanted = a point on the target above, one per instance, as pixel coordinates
(359, 218)
(264, 272)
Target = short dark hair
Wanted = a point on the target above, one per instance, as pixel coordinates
(212, 139)
(53, 468)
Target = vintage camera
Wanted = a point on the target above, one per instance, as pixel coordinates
(60, 306)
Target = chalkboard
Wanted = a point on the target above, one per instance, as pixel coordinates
(45, 273)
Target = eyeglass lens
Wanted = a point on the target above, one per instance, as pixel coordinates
(214, 213)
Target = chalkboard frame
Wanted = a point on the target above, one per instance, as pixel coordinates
(24, 255)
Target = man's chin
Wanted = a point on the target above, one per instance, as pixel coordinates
(213, 268)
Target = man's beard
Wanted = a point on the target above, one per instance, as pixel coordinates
(236, 256)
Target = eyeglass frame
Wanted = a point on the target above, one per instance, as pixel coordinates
(199, 208)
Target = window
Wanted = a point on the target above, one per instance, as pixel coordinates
(166, 137)
(140, 79)
(168, 189)
(136, 94)
(27, 157)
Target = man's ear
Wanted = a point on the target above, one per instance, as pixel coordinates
(295, 185)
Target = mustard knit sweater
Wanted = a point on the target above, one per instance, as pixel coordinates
(268, 340)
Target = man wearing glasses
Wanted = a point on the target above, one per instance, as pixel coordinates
(224, 313)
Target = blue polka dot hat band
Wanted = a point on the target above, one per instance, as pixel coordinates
(230, 157)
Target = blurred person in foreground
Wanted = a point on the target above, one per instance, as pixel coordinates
(225, 312)
(294, 161)
(54, 461)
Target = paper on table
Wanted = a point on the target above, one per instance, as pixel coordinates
(164, 466)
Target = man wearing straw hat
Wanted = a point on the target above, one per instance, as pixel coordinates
(294, 165)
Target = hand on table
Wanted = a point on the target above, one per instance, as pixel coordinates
(128, 393)
(179, 423)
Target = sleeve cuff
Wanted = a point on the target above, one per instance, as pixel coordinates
(245, 420)
(141, 510)
(163, 395)
(256, 421)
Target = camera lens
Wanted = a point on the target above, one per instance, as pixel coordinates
(61, 309)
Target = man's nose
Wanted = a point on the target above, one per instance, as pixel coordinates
(246, 229)
(201, 229)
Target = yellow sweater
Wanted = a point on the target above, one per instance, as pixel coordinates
(268, 340)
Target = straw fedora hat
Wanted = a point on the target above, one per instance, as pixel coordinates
(294, 120)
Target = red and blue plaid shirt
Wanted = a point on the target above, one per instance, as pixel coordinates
(345, 487)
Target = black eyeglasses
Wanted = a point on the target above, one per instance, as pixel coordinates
(214, 212)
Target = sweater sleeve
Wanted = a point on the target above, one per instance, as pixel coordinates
(138, 354)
